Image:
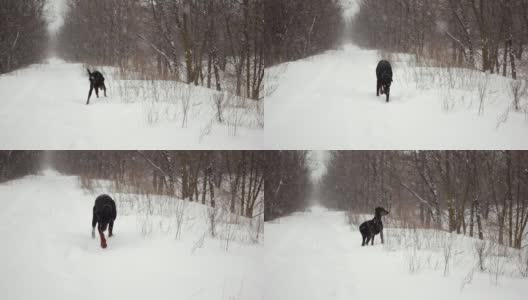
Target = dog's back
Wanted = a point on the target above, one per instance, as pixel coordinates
(104, 208)
(384, 71)
(373, 227)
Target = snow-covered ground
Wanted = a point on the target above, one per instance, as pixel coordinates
(43, 107)
(328, 101)
(47, 251)
(315, 255)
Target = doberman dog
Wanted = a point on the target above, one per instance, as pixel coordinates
(96, 82)
(104, 214)
(384, 76)
(370, 228)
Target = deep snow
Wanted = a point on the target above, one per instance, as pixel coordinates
(315, 255)
(47, 251)
(43, 107)
(328, 101)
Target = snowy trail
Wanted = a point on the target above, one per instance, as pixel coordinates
(47, 253)
(328, 101)
(316, 256)
(43, 107)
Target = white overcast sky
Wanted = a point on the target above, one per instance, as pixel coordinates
(318, 161)
(54, 10)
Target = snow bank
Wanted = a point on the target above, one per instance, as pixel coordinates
(43, 107)
(48, 253)
(329, 101)
(315, 255)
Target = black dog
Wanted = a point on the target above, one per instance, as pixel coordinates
(384, 76)
(104, 214)
(370, 228)
(96, 82)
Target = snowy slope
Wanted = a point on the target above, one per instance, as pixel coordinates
(328, 102)
(316, 256)
(43, 107)
(47, 251)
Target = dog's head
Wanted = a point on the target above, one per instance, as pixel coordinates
(380, 211)
(91, 75)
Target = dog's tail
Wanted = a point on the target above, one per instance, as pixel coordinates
(89, 73)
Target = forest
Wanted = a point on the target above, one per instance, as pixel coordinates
(216, 44)
(288, 183)
(230, 179)
(482, 194)
(486, 35)
(23, 38)
(299, 28)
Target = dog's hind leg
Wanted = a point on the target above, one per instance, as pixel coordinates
(89, 95)
(104, 89)
(377, 88)
(372, 243)
(94, 222)
(110, 228)
(97, 91)
(363, 237)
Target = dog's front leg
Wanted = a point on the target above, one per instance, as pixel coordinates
(381, 236)
(97, 91)
(103, 240)
(372, 243)
(89, 94)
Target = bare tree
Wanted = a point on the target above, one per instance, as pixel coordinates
(23, 38)
(481, 34)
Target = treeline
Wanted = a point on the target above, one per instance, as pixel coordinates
(232, 179)
(478, 193)
(23, 36)
(287, 176)
(487, 35)
(16, 164)
(299, 28)
(218, 44)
